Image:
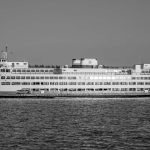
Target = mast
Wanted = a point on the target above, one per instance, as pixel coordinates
(6, 48)
(4, 55)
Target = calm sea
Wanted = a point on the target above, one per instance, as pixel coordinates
(75, 124)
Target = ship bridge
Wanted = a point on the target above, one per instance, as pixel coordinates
(84, 63)
(6, 64)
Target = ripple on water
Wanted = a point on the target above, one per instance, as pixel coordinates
(112, 124)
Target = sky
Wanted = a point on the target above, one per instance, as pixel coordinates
(116, 32)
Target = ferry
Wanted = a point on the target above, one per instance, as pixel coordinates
(85, 77)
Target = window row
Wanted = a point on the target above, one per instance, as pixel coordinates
(5, 70)
(140, 78)
(37, 77)
(52, 70)
(75, 83)
(64, 71)
(32, 70)
(94, 89)
(78, 77)
(146, 71)
(95, 73)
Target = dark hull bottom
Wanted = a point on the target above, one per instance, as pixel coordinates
(83, 95)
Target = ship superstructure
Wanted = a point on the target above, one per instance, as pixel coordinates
(85, 75)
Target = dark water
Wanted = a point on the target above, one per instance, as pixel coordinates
(75, 124)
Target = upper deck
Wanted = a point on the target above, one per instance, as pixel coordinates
(79, 66)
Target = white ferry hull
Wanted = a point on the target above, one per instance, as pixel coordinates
(85, 78)
(10, 94)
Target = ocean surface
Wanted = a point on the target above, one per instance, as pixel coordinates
(75, 124)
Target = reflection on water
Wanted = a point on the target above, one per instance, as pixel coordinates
(66, 124)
